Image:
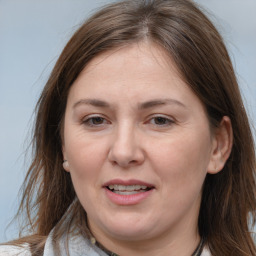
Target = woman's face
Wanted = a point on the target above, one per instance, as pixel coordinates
(138, 144)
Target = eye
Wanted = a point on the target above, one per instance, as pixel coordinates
(95, 121)
(161, 121)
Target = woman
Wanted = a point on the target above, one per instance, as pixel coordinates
(142, 143)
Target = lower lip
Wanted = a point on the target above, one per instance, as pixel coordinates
(127, 199)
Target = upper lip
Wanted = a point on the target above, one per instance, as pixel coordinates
(128, 183)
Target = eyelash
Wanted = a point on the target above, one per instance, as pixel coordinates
(161, 118)
(89, 121)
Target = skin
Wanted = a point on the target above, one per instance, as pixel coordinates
(167, 143)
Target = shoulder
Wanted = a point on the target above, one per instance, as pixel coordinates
(11, 250)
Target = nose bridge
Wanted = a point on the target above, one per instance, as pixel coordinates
(125, 149)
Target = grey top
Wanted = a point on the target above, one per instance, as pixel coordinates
(77, 246)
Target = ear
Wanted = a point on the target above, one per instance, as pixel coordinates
(222, 143)
(65, 161)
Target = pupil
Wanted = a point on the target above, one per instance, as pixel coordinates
(160, 120)
(97, 120)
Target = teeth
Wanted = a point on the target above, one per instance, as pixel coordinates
(123, 188)
(128, 192)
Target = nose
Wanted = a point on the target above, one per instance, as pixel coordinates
(125, 150)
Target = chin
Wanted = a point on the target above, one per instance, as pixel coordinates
(128, 230)
(132, 234)
(127, 225)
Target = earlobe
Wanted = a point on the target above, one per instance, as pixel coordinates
(222, 146)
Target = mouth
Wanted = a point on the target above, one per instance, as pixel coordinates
(128, 192)
(128, 189)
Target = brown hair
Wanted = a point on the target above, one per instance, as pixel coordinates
(228, 200)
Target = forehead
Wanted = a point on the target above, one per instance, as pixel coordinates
(143, 54)
(136, 73)
(143, 61)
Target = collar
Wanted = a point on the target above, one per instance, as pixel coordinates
(72, 245)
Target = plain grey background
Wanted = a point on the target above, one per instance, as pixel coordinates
(32, 35)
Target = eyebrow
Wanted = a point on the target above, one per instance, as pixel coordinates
(93, 102)
(157, 102)
(144, 105)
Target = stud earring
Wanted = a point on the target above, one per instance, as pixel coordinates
(65, 165)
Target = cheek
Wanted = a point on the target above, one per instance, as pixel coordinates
(184, 160)
(85, 158)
